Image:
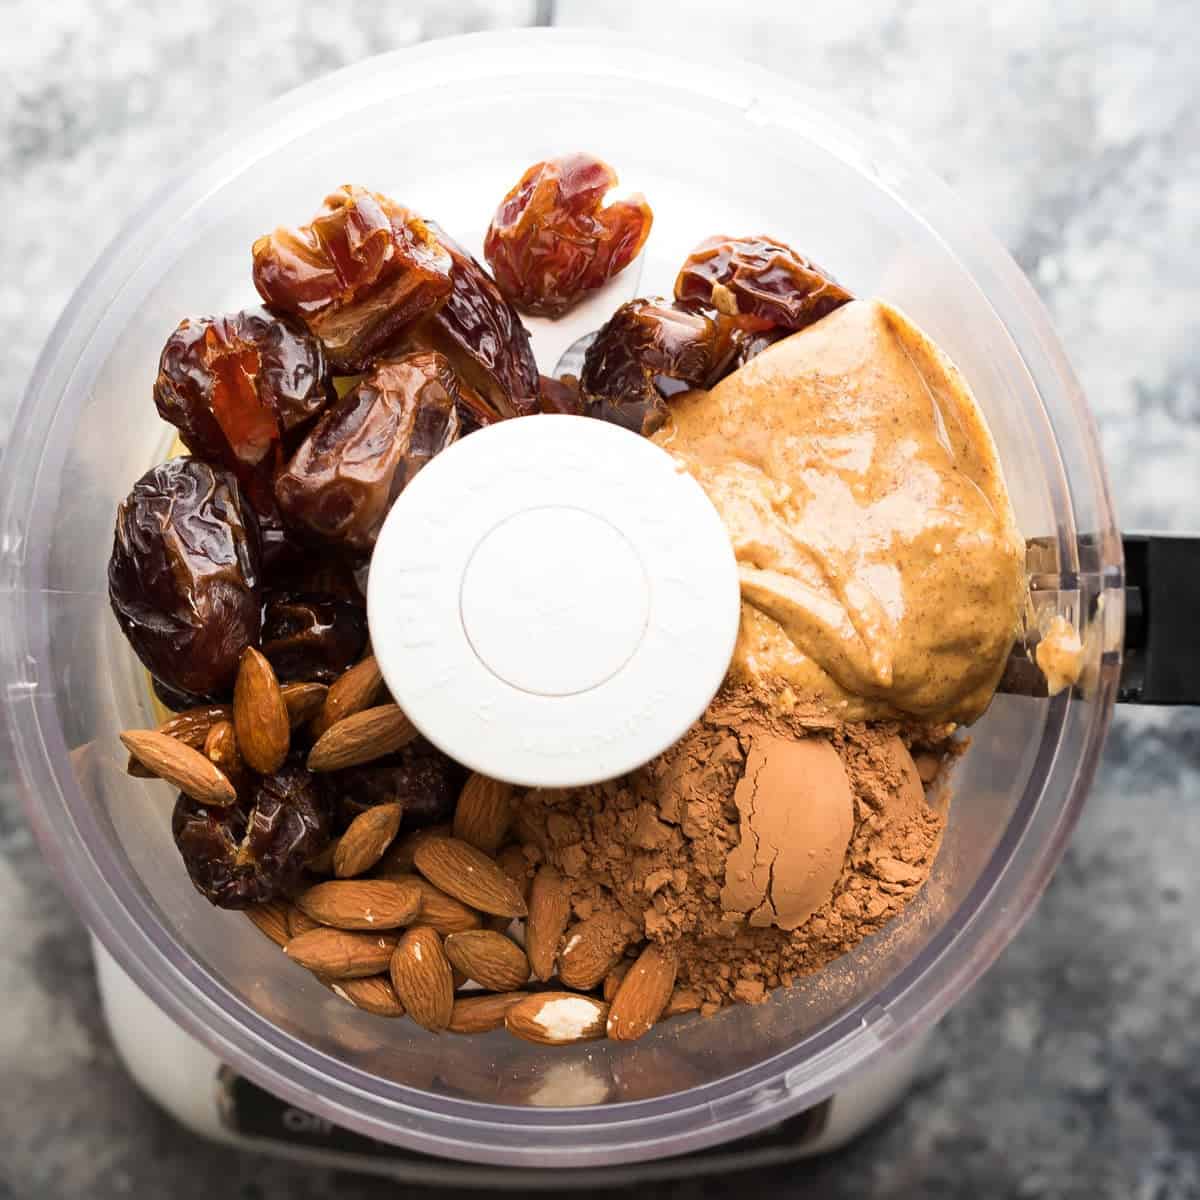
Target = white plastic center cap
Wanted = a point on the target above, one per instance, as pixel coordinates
(552, 601)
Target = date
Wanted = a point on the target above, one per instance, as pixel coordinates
(422, 778)
(312, 637)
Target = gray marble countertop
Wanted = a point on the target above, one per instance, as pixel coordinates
(1073, 1068)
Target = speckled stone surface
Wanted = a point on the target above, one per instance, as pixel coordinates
(1073, 1069)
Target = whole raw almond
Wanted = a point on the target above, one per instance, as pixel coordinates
(683, 1000)
(479, 1014)
(365, 839)
(190, 726)
(260, 715)
(492, 960)
(483, 814)
(422, 978)
(612, 980)
(557, 1018)
(362, 737)
(177, 763)
(336, 954)
(469, 875)
(300, 922)
(643, 995)
(351, 692)
(362, 903)
(221, 748)
(271, 918)
(374, 994)
(398, 857)
(592, 948)
(303, 701)
(443, 913)
(549, 912)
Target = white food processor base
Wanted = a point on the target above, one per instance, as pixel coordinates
(210, 1099)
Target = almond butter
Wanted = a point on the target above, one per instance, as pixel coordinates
(362, 903)
(398, 857)
(643, 995)
(549, 912)
(591, 949)
(221, 749)
(479, 1014)
(683, 1000)
(492, 960)
(180, 765)
(469, 875)
(303, 701)
(351, 692)
(190, 726)
(271, 919)
(483, 814)
(259, 714)
(422, 978)
(443, 913)
(300, 922)
(336, 954)
(373, 994)
(557, 1018)
(612, 980)
(365, 839)
(362, 737)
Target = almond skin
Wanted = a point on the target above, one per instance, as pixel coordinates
(479, 1014)
(354, 690)
(336, 954)
(512, 861)
(469, 875)
(362, 737)
(365, 840)
(190, 726)
(557, 1018)
(422, 978)
(221, 748)
(612, 981)
(374, 994)
(483, 814)
(259, 714)
(272, 920)
(300, 922)
(643, 995)
(322, 862)
(492, 960)
(361, 903)
(443, 913)
(180, 765)
(549, 912)
(303, 701)
(398, 857)
(591, 949)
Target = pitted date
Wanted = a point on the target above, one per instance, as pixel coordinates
(345, 475)
(254, 851)
(553, 239)
(358, 274)
(422, 778)
(312, 637)
(184, 575)
(561, 396)
(759, 277)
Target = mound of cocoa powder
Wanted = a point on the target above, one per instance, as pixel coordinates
(837, 852)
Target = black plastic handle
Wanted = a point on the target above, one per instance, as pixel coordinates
(1161, 662)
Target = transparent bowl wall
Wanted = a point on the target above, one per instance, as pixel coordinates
(447, 127)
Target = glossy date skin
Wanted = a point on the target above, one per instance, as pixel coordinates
(184, 575)
(553, 239)
(346, 473)
(312, 637)
(254, 851)
(420, 777)
(363, 270)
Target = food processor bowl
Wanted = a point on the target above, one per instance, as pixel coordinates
(447, 128)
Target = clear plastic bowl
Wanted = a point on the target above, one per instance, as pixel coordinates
(447, 127)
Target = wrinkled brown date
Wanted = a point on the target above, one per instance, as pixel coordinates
(759, 277)
(361, 271)
(184, 575)
(553, 239)
(422, 778)
(344, 476)
(255, 851)
(561, 396)
(310, 637)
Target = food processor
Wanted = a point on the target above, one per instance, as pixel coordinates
(210, 1018)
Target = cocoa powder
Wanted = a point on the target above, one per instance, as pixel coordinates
(653, 847)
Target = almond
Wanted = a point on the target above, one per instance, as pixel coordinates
(422, 978)
(443, 913)
(484, 813)
(643, 995)
(259, 714)
(190, 726)
(592, 948)
(180, 765)
(398, 857)
(271, 919)
(557, 1018)
(612, 980)
(221, 748)
(374, 994)
(365, 839)
(362, 903)
(362, 737)
(303, 701)
(321, 863)
(512, 861)
(469, 875)
(356, 689)
(336, 954)
(300, 922)
(549, 912)
(492, 960)
(683, 1000)
(479, 1014)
